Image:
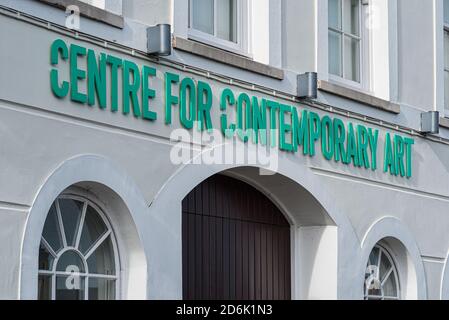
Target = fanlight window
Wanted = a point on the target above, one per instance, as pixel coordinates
(77, 254)
(381, 276)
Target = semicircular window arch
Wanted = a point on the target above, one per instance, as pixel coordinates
(78, 257)
(381, 276)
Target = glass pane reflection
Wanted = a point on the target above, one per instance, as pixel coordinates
(102, 260)
(52, 233)
(44, 287)
(45, 259)
(70, 288)
(93, 229)
(71, 214)
(101, 289)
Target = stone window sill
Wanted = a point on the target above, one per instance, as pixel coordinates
(444, 122)
(226, 57)
(359, 96)
(90, 11)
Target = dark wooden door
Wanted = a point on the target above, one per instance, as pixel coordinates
(236, 243)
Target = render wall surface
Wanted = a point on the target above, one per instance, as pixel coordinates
(41, 135)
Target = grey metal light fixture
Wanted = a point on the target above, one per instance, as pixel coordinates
(430, 122)
(308, 85)
(159, 40)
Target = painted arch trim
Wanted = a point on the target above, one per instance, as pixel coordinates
(83, 168)
(167, 260)
(444, 295)
(390, 227)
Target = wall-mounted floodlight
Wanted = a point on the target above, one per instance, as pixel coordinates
(430, 122)
(308, 85)
(159, 40)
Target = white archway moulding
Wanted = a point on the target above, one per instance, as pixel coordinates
(159, 226)
(166, 206)
(80, 169)
(444, 295)
(187, 177)
(393, 228)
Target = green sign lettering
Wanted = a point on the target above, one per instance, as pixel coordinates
(256, 119)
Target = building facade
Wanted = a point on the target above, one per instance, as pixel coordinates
(282, 150)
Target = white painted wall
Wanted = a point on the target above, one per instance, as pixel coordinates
(114, 6)
(318, 262)
(416, 29)
(379, 25)
(149, 12)
(260, 19)
(355, 199)
(439, 81)
(299, 49)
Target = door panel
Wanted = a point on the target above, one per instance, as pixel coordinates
(236, 243)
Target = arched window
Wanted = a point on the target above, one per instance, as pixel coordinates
(78, 255)
(381, 276)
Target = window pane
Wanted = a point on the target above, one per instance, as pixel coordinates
(227, 20)
(335, 53)
(93, 229)
(44, 288)
(389, 287)
(446, 11)
(351, 16)
(374, 257)
(51, 230)
(384, 267)
(203, 15)
(334, 11)
(102, 260)
(352, 59)
(446, 92)
(69, 288)
(45, 258)
(101, 289)
(70, 261)
(446, 50)
(71, 214)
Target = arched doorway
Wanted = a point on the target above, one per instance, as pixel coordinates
(236, 243)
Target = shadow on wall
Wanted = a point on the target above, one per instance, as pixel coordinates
(314, 234)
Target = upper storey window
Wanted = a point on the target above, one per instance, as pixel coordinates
(218, 23)
(345, 39)
(446, 57)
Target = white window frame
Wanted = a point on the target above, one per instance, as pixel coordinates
(86, 274)
(243, 22)
(446, 99)
(384, 251)
(364, 53)
(445, 69)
